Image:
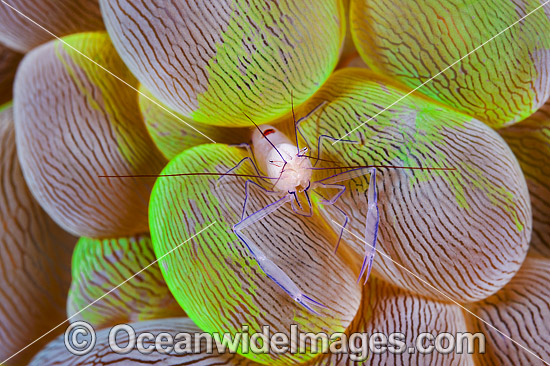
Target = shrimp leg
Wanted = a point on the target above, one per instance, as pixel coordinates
(331, 202)
(297, 123)
(271, 269)
(373, 214)
(346, 220)
(248, 158)
(297, 131)
(247, 192)
(296, 201)
(320, 145)
(341, 189)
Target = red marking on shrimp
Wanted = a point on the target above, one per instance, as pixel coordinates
(268, 132)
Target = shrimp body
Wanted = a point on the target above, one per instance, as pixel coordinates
(282, 159)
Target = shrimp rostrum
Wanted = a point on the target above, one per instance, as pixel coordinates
(291, 171)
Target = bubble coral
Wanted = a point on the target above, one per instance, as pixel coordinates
(74, 123)
(520, 310)
(56, 352)
(464, 232)
(57, 17)
(463, 260)
(530, 142)
(35, 260)
(388, 310)
(173, 133)
(218, 60)
(501, 83)
(215, 279)
(101, 265)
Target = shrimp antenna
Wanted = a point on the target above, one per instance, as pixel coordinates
(325, 160)
(186, 174)
(382, 166)
(294, 119)
(263, 134)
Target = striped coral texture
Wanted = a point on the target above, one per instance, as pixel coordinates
(521, 310)
(19, 32)
(35, 261)
(215, 61)
(56, 353)
(502, 77)
(101, 266)
(75, 123)
(387, 309)
(172, 132)
(465, 231)
(530, 142)
(215, 278)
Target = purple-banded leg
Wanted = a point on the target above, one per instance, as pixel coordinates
(373, 214)
(297, 123)
(347, 175)
(331, 202)
(248, 158)
(271, 269)
(346, 220)
(247, 194)
(326, 137)
(296, 201)
(341, 189)
(297, 131)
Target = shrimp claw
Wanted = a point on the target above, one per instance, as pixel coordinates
(371, 230)
(268, 266)
(373, 214)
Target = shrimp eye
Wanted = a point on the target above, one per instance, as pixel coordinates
(269, 131)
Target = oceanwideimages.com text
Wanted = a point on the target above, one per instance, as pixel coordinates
(80, 339)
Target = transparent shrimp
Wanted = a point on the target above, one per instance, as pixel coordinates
(284, 163)
(278, 157)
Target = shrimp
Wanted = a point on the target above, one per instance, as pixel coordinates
(277, 159)
(277, 156)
